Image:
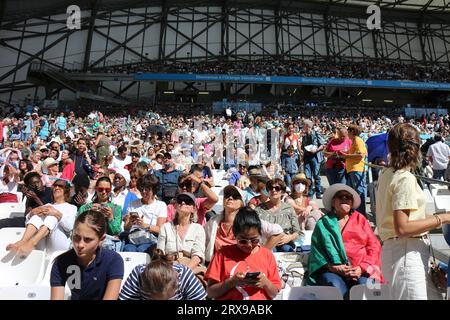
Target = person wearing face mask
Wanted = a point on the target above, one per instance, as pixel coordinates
(307, 211)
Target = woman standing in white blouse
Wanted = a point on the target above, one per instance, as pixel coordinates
(184, 237)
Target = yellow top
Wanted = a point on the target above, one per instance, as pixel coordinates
(397, 191)
(352, 164)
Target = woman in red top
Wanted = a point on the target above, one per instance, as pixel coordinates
(245, 270)
(362, 247)
(335, 163)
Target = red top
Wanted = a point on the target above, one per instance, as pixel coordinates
(230, 260)
(335, 145)
(362, 246)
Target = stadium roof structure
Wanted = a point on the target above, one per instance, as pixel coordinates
(14, 10)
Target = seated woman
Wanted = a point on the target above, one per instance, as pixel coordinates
(276, 211)
(51, 168)
(308, 212)
(162, 279)
(344, 249)
(244, 270)
(51, 223)
(9, 182)
(88, 233)
(102, 202)
(184, 237)
(219, 231)
(145, 213)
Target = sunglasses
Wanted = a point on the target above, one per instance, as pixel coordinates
(187, 202)
(276, 188)
(58, 186)
(344, 197)
(234, 196)
(248, 241)
(108, 190)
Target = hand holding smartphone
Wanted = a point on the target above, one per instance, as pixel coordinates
(252, 275)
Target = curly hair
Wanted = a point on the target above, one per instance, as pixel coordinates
(404, 146)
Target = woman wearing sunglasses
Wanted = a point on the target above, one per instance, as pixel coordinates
(52, 222)
(281, 213)
(344, 249)
(102, 202)
(219, 231)
(146, 213)
(192, 184)
(184, 237)
(244, 270)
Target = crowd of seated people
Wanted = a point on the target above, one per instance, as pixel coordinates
(102, 184)
(368, 69)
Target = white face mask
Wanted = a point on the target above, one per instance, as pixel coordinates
(300, 187)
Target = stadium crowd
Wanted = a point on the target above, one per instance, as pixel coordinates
(367, 69)
(99, 184)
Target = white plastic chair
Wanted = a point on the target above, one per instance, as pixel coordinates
(31, 292)
(18, 271)
(12, 209)
(48, 266)
(377, 291)
(48, 271)
(10, 235)
(131, 260)
(315, 293)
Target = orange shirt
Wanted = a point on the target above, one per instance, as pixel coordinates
(230, 260)
(224, 237)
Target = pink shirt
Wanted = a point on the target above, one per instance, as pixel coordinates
(201, 211)
(334, 146)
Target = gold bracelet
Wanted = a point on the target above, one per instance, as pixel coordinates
(439, 220)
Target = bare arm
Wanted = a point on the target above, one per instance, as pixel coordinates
(57, 293)
(112, 289)
(405, 228)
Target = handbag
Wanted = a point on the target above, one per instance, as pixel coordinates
(438, 275)
(141, 236)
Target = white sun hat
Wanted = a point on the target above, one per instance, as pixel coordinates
(333, 189)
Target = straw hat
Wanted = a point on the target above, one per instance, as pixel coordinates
(301, 177)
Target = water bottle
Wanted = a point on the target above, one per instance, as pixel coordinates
(299, 241)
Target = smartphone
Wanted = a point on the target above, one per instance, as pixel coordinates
(134, 215)
(252, 275)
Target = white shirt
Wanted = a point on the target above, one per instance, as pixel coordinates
(59, 236)
(119, 163)
(440, 152)
(11, 187)
(119, 200)
(149, 212)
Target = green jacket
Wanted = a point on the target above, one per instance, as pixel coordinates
(114, 226)
(326, 247)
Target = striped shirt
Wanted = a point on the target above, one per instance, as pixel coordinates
(188, 286)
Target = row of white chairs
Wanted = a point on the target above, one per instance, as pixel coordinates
(19, 276)
(357, 292)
